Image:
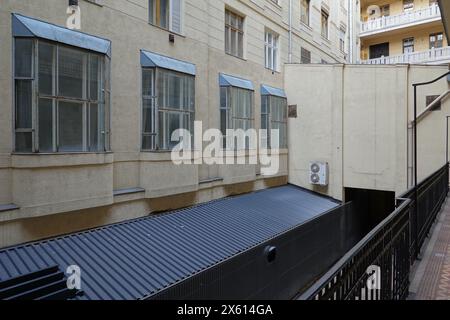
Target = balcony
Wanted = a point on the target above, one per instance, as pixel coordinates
(432, 56)
(406, 19)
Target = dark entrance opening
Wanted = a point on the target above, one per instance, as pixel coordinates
(374, 205)
(379, 50)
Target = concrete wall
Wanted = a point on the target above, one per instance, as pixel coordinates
(79, 188)
(357, 120)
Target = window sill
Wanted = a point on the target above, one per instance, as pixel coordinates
(273, 71)
(162, 156)
(41, 160)
(167, 30)
(237, 57)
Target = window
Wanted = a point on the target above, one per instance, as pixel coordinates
(274, 117)
(342, 35)
(271, 48)
(304, 11)
(168, 102)
(408, 45)
(305, 56)
(61, 98)
(322, 61)
(236, 110)
(234, 34)
(408, 5)
(385, 10)
(436, 40)
(166, 14)
(324, 24)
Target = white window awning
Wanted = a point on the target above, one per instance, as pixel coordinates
(271, 91)
(151, 60)
(23, 26)
(231, 81)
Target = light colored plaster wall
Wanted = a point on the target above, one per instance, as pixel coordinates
(375, 129)
(316, 135)
(368, 128)
(432, 129)
(51, 185)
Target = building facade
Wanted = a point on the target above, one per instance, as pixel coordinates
(87, 117)
(402, 31)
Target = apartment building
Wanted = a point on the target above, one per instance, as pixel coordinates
(87, 114)
(402, 31)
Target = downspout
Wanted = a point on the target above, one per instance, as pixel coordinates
(290, 32)
(351, 30)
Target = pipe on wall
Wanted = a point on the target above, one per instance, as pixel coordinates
(290, 32)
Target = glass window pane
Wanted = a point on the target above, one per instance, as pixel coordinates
(71, 72)
(147, 82)
(174, 124)
(94, 77)
(94, 128)
(70, 116)
(161, 132)
(148, 142)
(24, 142)
(147, 116)
(46, 55)
(23, 104)
(174, 91)
(23, 57)
(164, 14)
(45, 125)
(241, 45)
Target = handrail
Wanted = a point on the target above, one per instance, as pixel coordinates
(432, 105)
(312, 291)
(391, 245)
(385, 22)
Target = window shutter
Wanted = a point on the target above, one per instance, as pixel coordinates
(175, 16)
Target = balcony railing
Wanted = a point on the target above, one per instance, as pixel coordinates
(378, 267)
(385, 23)
(434, 55)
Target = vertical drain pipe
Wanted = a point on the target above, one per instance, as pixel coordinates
(290, 32)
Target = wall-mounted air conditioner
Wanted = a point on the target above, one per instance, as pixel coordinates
(318, 173)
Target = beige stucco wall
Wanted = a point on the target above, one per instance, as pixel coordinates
(53, 191)
(356, 118)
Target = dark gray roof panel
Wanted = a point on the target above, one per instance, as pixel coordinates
(137, 258)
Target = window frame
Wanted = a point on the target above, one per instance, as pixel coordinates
(229, 29)
(408, 43)
(102, 101)
(273, 47)
(436, 35)
(305, 53)
(306, 14)
(152, 12)
(230, 113)
(270, 120)
(325, 16)
(158, 110)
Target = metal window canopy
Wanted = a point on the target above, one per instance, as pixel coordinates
(154, 60)
(232, 81)
(271, 91)
(23, 26)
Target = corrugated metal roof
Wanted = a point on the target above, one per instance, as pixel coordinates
(137, 258)
(23, 26)
(151, 59)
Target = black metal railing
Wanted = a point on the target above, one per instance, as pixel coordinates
(378, 267)
(431, 195)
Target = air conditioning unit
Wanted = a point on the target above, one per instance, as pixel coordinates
(319, 173)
